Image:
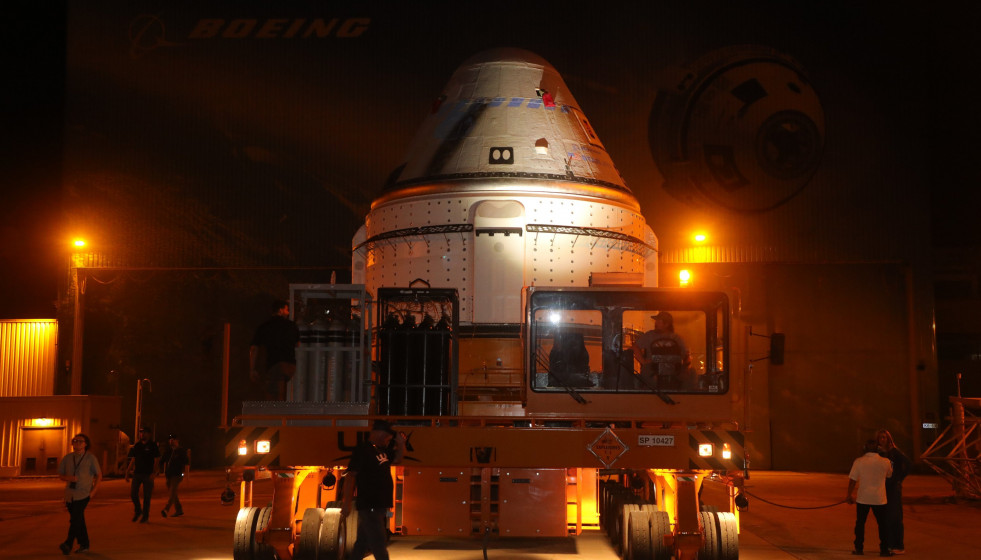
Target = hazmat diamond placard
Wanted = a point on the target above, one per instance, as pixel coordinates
(607, 447)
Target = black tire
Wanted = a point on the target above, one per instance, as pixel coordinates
(720, 536)
(245, 523)
(641, 545)
(350, 531)
(306, 545)
(618, 523)
(262, 551)
(660, 526)
(612, 490)
(623, 545)
(710, 537)
(332, 536)
(728, 536)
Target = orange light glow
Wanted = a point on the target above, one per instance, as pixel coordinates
(684, 278)
(79, 243)
(700, 238)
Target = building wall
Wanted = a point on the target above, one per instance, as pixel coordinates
(850, 366)
(28, 356)
(96, 416)
(958, 294)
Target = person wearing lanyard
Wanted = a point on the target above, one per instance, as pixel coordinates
(81, 473)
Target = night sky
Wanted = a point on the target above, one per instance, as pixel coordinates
(33, 98)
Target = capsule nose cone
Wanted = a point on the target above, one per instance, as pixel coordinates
(507, 113)
(510, 73)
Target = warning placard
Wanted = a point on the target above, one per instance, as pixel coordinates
(607, 448)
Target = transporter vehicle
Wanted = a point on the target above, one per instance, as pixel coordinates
(499, 286)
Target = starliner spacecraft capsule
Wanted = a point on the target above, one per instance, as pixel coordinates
(506, 185)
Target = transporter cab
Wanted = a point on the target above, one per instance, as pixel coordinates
(504, 315)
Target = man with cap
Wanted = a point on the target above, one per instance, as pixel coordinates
(662, 353)
(369, 477)
(272, 354)
(176, 463)
(144, 459)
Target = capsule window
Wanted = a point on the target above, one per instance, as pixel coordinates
(501, 155)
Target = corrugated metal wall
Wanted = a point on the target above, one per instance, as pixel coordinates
(10, 444)
(28, 354)
(97, 416)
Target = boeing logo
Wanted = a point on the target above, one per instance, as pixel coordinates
(148, 32)
(280, 28)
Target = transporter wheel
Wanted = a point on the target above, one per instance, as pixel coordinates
(660, 527)
(350, 525)
(647, 531)
(611, 491)
(262, 551)
(639, 528)
(627, 510)
(720, 536)
(309, 540)
(350, 531)
(710, 537)
(604, 496)
(728, 536)
(618, 520)
(245, 523)
(331, 545)
(623, 543)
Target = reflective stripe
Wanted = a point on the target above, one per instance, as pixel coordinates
(251, 435)
(717, 438)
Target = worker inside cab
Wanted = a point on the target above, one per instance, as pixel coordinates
(569, 360)
(662, 353)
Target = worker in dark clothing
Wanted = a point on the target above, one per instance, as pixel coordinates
(662, 353)
(177, 463)
(894, 489)
(144, 464)
(569, 360)
(369, 476)
(272, 355)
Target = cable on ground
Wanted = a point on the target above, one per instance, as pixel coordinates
(790, 507)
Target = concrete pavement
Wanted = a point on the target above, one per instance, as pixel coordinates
(800, 523)
(803, 526)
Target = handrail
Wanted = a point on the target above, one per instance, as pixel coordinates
(509, 422)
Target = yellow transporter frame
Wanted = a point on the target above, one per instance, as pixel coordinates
(676, 457)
